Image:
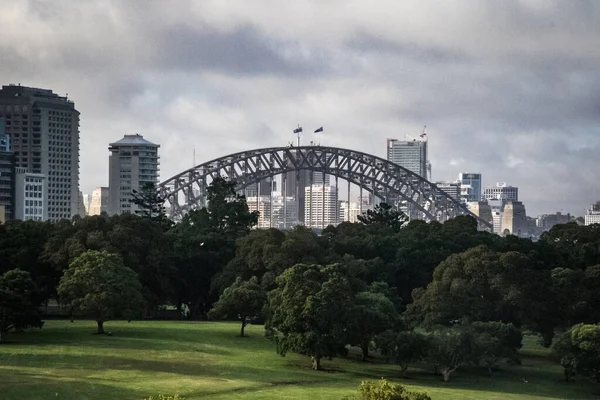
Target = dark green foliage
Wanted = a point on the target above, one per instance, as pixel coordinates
(402, 348)
(17, 301)
(204, 243)
(22, 246)
(372, 313)
(149, 203)
(384, 215)
(99, 285)
(385, 390)
(497, 342)
(141, 242)
(244, 299)
(482, 285)
(449, 349)
(308, 311)
(578, 351)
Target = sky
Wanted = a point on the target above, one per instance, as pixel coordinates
(508, 88)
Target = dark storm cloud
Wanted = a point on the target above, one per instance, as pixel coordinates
(241, 52)
(369, 44)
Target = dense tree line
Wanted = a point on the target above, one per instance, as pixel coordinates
(366, 284)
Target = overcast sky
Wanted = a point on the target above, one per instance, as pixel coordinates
(508, 88)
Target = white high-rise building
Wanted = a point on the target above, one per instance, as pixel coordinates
(99, 201)
(44, 136)
(593, 214)
(262, 204)
(320, 206)
(133, 162)
(349, 212)
(30, 196)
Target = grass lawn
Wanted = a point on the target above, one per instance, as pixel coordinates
(205, 360)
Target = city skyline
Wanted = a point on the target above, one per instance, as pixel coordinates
(517, 104)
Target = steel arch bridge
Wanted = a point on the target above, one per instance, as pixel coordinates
(386, 180)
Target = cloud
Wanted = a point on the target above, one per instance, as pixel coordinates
(508, 88)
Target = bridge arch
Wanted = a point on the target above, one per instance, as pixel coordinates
(187, 190)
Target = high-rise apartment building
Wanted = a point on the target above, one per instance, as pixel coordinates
(133, 162)
(411, 155)
(321, 206)
(470, 187)
(44, 135)
(262, 204)
(99, 201)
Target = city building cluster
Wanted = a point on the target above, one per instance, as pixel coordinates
(39, 177)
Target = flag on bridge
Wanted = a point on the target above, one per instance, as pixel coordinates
(319, 130)
(298, 129)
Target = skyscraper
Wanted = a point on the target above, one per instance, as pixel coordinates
(470, 187)
(411, 155)
(321, 203)
(44, 133)
(133, 162)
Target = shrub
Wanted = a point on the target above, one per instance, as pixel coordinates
(384, 390)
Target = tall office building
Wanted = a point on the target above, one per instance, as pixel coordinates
(44, 135)
(411, 155)
(501, 192)
(133, 162)
(7, 174)
(99, 201)
(321, 206)
(452, 189)
(470, 187)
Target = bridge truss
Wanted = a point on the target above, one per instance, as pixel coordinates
(388, 181)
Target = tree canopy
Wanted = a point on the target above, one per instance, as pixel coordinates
(308, 311)
(98, 284)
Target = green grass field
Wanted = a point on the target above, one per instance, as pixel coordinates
(204, 360)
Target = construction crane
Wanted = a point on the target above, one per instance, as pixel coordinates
(423, 134)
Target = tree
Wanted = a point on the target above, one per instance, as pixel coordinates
(384, 390)
(99, 284)
(243, 298)
(149, 202)
(450, 348)
(228, 211)
(204, 242)
(307, 312)
(372, 313)
(17, 306)
(579, 351)
(496, 342)
(384, 215)
(402, 348)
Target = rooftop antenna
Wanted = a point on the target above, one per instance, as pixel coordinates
(194, 158)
